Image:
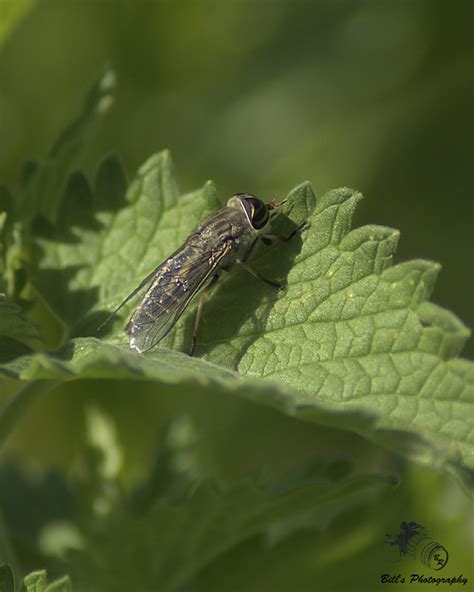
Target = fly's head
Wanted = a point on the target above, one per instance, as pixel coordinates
(257, 212)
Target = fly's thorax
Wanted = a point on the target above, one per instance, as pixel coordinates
(237, 226)
(227, 224)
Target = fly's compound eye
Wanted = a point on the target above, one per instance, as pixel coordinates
(257, 212)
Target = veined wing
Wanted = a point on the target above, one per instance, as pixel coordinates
(170, 292)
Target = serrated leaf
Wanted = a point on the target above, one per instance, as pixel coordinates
(83, 216)
(352, 341)
(105, 242)
(41, 188)
(17, 333)
(35, 581)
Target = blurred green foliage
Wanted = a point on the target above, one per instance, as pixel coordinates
(257, 96)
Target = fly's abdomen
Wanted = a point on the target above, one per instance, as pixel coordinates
(169, 292)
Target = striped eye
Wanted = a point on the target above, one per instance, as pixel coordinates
(256, 210)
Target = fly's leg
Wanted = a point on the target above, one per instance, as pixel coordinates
(257, 275)
(197, 321)
(268, 239)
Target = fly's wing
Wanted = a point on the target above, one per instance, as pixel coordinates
(168, 295)
(142, 284)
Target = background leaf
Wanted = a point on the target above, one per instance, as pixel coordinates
(183, 539)
(14, 327)
(42, 182)
(35, 581)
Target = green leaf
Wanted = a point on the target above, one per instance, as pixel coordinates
(13, 324)
(61, 585)
(17, 333)
(104, 241)
(41, 188)
(352, 341)
(7, 578)
(11, 249)
(35, 581)
(83, 217)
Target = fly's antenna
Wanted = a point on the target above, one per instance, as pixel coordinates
(274, 204)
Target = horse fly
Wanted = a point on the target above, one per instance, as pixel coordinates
(223, 239)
